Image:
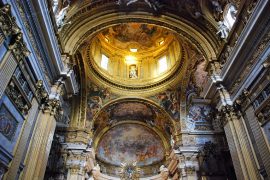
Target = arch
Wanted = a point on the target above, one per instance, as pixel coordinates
(173, 124)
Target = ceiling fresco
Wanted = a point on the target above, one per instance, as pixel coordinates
(128, 143)
(96, 97)
(135, 111)
(169, 101)
(144, 37)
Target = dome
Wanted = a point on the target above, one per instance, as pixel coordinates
(132, 57)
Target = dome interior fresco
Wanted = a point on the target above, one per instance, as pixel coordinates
(146, 38)
(136, 57)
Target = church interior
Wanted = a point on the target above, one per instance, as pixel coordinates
(81, 81)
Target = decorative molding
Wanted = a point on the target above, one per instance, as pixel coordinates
(47, 103)
(32, 38)
(17, 98)
(260, 49)
(229, 113)
(41, 93)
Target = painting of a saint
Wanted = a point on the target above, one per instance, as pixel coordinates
(133, 71)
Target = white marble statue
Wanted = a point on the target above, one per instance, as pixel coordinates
(151, 3)
(55, 6)
(163, 168)
(61, 16)
(223, 30)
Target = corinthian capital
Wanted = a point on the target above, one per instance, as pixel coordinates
(229, 113)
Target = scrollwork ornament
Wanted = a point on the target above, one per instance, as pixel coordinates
(229, 113)
(41, 93)
(53, 106)
(15, 95)
(7, 21)
(242, 100)
(18, 47)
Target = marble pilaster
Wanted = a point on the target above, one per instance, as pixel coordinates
(239, 144)
(22, 142)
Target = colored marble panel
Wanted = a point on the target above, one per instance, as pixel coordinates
(127, 143)
(8, 124)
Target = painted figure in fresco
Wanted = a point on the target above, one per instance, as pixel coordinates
(133, 71)
(5, 125)
(95, 99)
(169, 101)
(127, 143)
(200, 117)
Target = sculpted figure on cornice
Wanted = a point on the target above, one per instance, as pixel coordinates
(61, 16)
(154, 4)
(7, 21)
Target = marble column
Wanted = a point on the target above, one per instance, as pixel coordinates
(45, 147)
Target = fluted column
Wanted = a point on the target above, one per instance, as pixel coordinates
(45, 146)
(241, 149)
(39, 150)
(244, 161)
(263, 147)
(7, 68)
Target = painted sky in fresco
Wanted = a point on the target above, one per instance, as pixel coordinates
(130, 143)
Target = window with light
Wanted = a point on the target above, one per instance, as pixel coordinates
(162, 64)
(104, 62)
